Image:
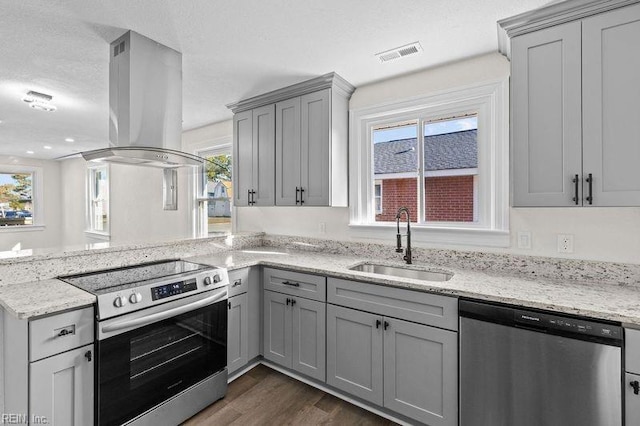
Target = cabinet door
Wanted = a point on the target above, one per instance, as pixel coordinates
(61, 388)
(264, 155)
(421, 372)
(611, 106)
(237, 332)
(632, 400)
(242, 157)
(277, 328)
(354, 352)
(546, 117)
(287, 152)
(309, 340)
(315, 145)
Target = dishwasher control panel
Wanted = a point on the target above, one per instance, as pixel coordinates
(573, 325)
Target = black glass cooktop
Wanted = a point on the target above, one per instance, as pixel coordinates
(108, 280)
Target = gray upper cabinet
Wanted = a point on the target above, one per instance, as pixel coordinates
(254, 156)
(574, 112)
(61, 388)
(310, 132)
(545, 113)
(611, 106)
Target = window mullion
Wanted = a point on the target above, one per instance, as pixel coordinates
(421, 213)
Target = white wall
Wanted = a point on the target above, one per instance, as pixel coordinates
(73, 201)
(608, 234)
(136, 206)
(51, 234)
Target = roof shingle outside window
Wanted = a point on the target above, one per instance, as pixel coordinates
(458, 150)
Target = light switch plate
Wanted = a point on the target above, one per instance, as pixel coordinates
(524, 240)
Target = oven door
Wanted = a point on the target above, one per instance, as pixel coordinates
(141, 367)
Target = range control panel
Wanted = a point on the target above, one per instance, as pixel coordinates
(572, 325)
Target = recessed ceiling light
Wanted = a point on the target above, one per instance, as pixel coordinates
(69, 140)
(29, 152)
(46, 147)
(39, 101)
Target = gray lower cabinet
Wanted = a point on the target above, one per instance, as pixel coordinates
(238, 332)
(294, 333)
(632, 399)
(61, 388)
(244, 317)
(354, 353)
(406, 367)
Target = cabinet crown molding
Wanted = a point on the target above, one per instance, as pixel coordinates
(329, 80)
(549, 16)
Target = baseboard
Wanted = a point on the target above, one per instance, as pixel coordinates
(331, 391)
(243, 370)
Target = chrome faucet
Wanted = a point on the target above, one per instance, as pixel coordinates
(407, 253)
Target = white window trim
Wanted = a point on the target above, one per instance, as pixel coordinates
(89, 231)
(37, 193)
(221, 145)
(490, 100)
(378, 182)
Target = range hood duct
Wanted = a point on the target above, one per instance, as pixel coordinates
(145, 106)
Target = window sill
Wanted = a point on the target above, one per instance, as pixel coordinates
(435, 235)
(96, 235)
(22, 228)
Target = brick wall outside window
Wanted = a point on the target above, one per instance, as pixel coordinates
(448, 198)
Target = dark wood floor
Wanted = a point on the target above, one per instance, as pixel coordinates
(264, 396)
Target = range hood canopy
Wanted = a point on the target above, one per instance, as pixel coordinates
(145, 106)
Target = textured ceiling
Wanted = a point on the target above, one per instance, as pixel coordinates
(231, 50)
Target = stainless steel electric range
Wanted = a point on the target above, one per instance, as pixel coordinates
(161, 340)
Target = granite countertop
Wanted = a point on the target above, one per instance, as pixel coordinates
(604, 301)
(26, 300)
(616, 302)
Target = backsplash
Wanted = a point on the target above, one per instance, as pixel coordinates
(495, 263)
(34, 268)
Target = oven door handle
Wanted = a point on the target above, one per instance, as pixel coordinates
(137, 322)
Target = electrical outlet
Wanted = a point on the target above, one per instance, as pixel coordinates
(565, 243)
(322, 228)
(524, 240)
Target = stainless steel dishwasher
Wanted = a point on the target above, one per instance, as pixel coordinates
(523, 367)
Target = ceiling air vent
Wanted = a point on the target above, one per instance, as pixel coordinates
(399, 52)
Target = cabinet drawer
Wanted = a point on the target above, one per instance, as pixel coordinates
(59, 333)
(424, 308)
(295, 283)
(632, 350)
(238, 281)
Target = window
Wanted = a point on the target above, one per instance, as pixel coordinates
(16, 198)
(219, 190)
(98, 200)
(454, 181)
(378, 197)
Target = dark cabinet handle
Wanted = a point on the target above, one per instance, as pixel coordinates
(297, 189)
(589, 180)
(386, 325)
(248, 196)
(88, 355)
(229, 305)
(291, 283)
(288, 301)
(575, 181)
(293, 302)
(378, 322)
(301, 192)
(636, 387)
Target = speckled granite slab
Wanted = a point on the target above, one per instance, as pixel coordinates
(520, 266)
(32, 299)
(34, 268)
(605, 301)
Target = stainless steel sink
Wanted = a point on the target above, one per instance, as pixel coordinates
(397, 271)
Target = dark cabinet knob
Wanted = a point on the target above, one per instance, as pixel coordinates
(636, 387)
(89, 356)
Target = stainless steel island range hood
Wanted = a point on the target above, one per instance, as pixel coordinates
(145, 106)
